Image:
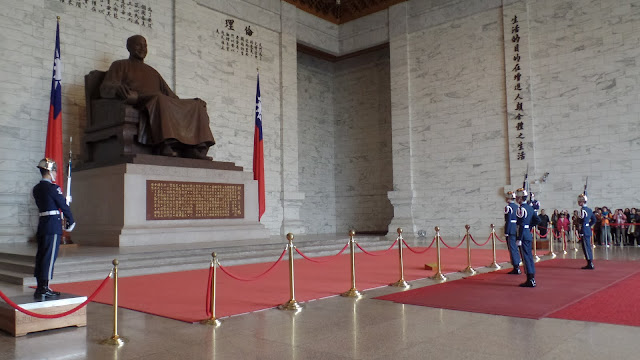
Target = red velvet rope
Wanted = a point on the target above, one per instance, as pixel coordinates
(372, 254)
(483, 244)
(450, 247)
(498, 238)
(416, 251)
(255, 277)
(623, 224)
(321, 261)
(207, 305)
(55, 316)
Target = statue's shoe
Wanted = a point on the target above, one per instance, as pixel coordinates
(168, 151)
(196, 153)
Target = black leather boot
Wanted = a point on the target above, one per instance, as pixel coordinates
(589, 265)
(531, 281)
(49, 291)
(44, 292)
(515, 271)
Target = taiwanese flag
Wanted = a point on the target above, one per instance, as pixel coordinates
(258, 153)
(53, 148)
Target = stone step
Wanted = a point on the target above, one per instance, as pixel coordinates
(17, 265)
(73, 266)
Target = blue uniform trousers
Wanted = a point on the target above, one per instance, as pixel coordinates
(527, 256)
(514, 253)
(587, 249)
(48, 246)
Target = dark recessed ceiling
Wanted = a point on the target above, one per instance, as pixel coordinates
(341, 11)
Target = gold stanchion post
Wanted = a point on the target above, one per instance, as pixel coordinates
(292, 304)
(551, 238)
(115, 339)
(438, 275)
(468, 270)
(494, 264)
(353, 292)
(575, 239)
(564, 242)
(536, 258)
(213, 320)
(401, 282)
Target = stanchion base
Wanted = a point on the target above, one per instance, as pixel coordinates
(116, 340)
(552, 255)
(439, 277)
(400, 283)
(494, 265)
(213, 321)
(469, 271)
(564, 252)
(536, 258)
(575, 249)
(291, 305)
(353, 292)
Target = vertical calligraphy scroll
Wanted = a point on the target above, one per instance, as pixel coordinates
(520, 129)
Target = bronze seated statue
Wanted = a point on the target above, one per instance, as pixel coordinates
(131, 110)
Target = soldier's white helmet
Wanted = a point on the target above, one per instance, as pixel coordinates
(510, 196)
(582, 198)
(521, 193)
(48, 164)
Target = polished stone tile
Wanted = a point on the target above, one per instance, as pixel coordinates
(334, 328)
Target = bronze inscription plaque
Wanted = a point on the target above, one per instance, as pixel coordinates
(179, 200)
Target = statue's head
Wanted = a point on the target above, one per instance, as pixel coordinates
(137, 46)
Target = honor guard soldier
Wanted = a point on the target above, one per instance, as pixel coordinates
(587, 220)
(526, 221)
(535, 204)
(50, 202)
(510, 231)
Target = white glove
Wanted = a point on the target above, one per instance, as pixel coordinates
(70, 228)
(518, 243)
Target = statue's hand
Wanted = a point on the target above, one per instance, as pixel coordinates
(122, 92)
(202, 102)
(132, 99)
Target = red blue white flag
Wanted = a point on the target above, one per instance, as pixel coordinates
(258, 153)
(53, 148)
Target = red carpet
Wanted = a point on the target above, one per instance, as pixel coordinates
(618, 304)
(561, 283)
(181, 295)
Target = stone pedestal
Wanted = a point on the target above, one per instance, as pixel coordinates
(110, 207)
(18, 324)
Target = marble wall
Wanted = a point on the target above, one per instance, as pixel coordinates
(585, 88)
(89, 41)
(317, 143)
(445, 75)
(457, 99)
(345, 148)
(363, 171)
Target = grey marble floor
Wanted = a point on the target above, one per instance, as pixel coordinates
(336, 328)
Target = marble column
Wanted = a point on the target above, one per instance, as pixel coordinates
(403, 194)
(292, 198)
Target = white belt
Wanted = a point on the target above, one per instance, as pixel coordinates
(526, 226)
(50, 212)
(513, 221)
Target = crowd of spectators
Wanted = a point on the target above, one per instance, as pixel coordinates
(618, 227)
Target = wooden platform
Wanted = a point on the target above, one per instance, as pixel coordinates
(18, 324)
